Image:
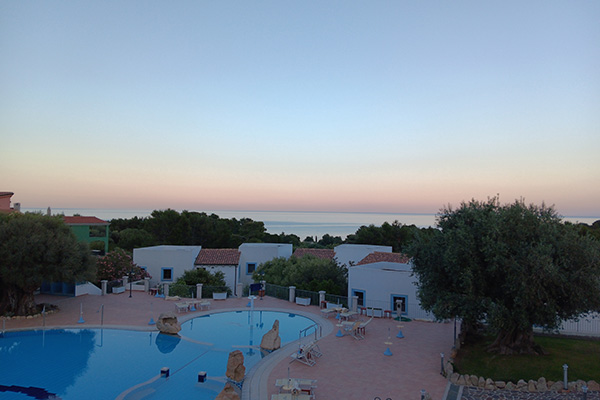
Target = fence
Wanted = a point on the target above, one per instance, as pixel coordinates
(586, 325)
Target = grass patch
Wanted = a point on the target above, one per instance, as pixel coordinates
(581, 355)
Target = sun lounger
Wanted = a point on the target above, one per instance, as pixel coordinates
(307, 354)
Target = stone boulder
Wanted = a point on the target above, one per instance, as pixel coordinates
(167, 323)
(593, 386)
(271, 340)
(228, 393)
(235, 366)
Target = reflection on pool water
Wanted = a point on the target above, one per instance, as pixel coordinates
(108, 363)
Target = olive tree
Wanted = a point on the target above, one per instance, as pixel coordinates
(513, 266)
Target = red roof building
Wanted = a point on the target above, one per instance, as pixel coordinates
(218, 257)
(378, 256)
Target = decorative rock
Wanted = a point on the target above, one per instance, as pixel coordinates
(235, 366)
(167, 323)
(454, 378)
(549, 384)
(474, 380)
(572, 387)
(449, 368)
(500, 384)
(521, 385)
(462, 381)
(593, 386)
(580, 384)
(271, 339)
(510, 386)
(531, 386)
(489, 384)
(542, 385)
(556, 387)
(481, 382)
(228, 393)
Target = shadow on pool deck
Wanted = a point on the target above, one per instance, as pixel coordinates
(349, 369)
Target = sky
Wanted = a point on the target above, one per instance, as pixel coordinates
(379, 106)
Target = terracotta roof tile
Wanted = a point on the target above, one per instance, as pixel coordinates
(378, 256)
(80, 220)
(327, 254)
(218, 257)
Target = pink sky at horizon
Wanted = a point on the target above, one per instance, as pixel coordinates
(393, 107)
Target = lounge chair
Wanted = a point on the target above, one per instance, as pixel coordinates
(356, 328)
(348, 314)
(307, 354)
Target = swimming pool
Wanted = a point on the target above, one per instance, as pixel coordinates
(108, 363)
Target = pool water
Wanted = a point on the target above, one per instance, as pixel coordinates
(111, 363)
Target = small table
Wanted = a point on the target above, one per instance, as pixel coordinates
(387, 313)
(153, 291)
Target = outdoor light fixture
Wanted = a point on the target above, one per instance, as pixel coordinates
(442, 363)
(565, 381)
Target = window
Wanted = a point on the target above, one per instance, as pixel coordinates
(361, 297)
(250, 268)
(166, 274)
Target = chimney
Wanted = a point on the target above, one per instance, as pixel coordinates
(17, 207)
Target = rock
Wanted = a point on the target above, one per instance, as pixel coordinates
(556, 386)
(572, 387)
(481, 382)
(593, 386)
(531, 386)
(579, 385)
(449, 368)
(511, 386)
(542, 385)
(474, 380)
(500, 384)
(454, 378)
(521, 385)
(228, 393)
(462, 381)
(167, 323)
(489, 384)
(549, 384)
(235, 366)
(271, 339)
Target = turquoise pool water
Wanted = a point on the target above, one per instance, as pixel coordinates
(108, 363)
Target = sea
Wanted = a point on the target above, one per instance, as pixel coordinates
(300, 223)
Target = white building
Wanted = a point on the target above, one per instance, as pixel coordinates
(254, 254)
(226, 261)
(347, 254)
(166, 263)
(384, 281)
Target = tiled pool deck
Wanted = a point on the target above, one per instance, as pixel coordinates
(349, 369)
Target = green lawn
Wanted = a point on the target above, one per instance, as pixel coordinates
(581, 355)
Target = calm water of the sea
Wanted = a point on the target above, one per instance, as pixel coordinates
(299, 223)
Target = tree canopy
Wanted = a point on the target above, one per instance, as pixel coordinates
(117, 264)
(306, 273)
(34, 248)
(513, 265)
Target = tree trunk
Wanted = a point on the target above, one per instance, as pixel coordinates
(16, 301)
(515, 341)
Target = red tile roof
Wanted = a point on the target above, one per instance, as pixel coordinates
(218, 257)
(79, 220)
(2, 194)
(379, 256)
(327, 254)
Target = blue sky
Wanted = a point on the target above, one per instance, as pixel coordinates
(279, 105)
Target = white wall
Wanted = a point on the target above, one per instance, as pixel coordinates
(259, 253)
(228, 270)
(155, 258)
(87, 288)
(381, 280)
(346, 253)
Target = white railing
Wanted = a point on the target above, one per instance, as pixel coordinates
(586, 325)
